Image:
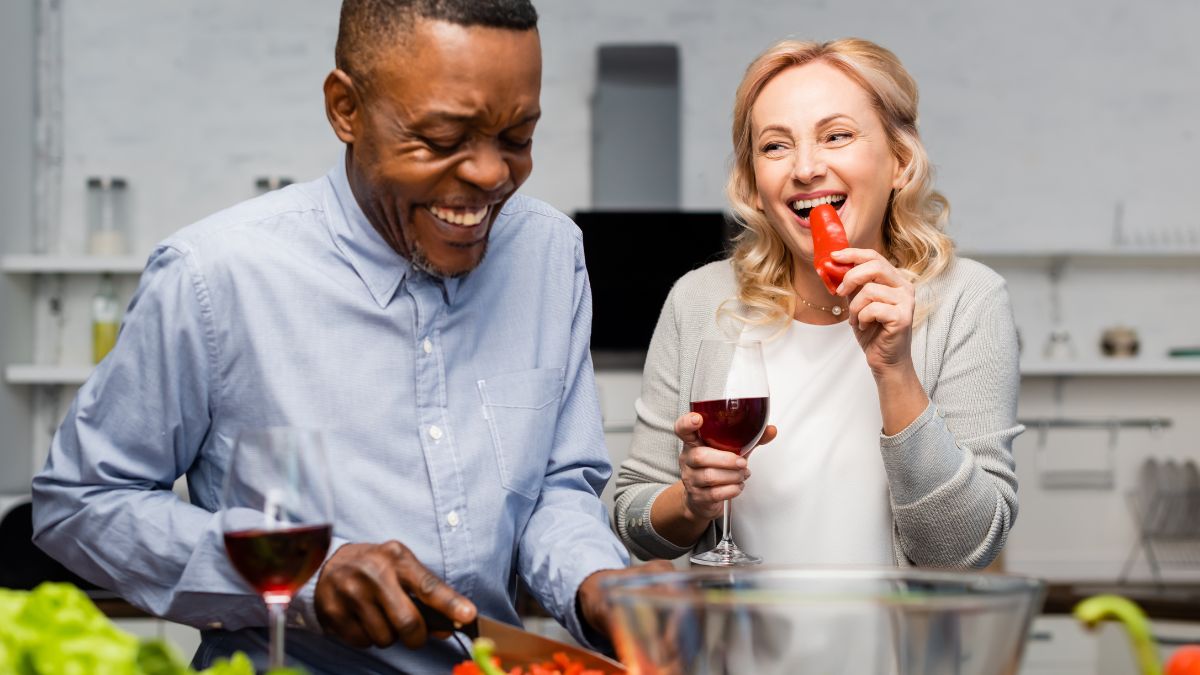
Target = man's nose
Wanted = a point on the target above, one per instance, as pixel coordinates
(486, 168)
(809, 164)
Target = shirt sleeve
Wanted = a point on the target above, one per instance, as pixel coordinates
(568, 536)
(951, 471)
(103, 504)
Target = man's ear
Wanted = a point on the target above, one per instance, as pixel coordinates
(342, 105)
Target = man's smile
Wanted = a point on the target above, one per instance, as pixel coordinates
(460, 216)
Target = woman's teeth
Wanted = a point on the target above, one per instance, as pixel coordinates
(803, 207)
(459, 217)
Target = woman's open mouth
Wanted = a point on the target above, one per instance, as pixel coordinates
(802, 207)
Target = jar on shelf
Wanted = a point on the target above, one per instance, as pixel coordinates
(107, 216)
(106, 319)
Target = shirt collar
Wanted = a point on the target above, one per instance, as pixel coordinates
(380, 267)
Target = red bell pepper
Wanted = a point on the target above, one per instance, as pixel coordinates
(828, 236)
(1185, 661)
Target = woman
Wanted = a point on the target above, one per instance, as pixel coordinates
(894, 398)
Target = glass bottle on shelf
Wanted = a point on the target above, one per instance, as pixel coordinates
(106, 319)
(107, 216)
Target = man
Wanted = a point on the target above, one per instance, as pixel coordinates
(456, 389)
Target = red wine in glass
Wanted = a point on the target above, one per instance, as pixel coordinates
(729, 390)
(733, 424)
(278, 562)
(277, 517)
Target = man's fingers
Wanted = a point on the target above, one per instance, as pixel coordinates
(377, 628)
(353, 634)
(435, 593)
(363, 598)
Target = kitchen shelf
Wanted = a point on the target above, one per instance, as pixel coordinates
(1114, 368)
(1122, 257)
(49, 375)
(72, 264)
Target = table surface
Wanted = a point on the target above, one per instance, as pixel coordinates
(1169, 601)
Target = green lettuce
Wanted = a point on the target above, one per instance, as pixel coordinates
(55, 629)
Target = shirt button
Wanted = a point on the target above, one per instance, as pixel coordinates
(452, 518)
(427, 346)
(435, 432)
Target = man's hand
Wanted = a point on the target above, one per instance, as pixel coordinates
(362, 596)
(591, 601)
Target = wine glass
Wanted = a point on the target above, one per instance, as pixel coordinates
(277, 516)
(729, 390)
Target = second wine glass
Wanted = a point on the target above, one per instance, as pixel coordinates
(277, 517)
(729, 390)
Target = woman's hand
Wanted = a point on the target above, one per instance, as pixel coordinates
(882, 301)
(709, 476)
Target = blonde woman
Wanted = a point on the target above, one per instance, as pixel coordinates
(894, 399)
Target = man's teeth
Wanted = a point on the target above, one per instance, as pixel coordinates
(809, 203)
(465, 218)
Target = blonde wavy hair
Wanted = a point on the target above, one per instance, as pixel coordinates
(914, 226)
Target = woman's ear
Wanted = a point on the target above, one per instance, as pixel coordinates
(342, 105)
(900, 176)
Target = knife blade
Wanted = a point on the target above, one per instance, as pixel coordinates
(514, 646)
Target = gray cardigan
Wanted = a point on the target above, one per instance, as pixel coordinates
(950, 473)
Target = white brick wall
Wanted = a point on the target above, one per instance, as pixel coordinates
(1039, 116)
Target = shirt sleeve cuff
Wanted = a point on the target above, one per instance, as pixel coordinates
(641, 529)
(302, 612)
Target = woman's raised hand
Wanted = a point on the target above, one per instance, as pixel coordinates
(882, 301)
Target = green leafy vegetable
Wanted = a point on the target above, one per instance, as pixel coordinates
(55, 629)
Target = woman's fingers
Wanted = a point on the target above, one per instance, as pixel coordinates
(879, 303)
(687, 428)
(869, 266)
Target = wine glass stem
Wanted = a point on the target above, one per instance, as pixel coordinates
(277, 613)
(726, 533)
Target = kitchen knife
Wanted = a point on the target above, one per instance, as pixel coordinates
(515, 647)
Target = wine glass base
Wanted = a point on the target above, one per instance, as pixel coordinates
(725, 554)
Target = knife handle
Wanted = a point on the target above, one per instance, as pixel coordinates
(435, 621)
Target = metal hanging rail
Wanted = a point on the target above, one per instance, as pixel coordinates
(1152, 423)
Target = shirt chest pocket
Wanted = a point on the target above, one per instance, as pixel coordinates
(522, 414)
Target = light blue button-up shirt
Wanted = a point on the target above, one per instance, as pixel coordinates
(461, 415)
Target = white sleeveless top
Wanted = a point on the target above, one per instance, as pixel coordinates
(818, 494)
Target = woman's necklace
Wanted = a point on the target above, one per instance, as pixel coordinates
(836, 310)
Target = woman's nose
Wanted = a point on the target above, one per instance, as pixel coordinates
(808, 165)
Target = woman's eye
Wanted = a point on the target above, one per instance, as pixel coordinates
(839, 138)
(773, 149)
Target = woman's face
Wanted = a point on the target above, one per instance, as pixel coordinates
(817, 139)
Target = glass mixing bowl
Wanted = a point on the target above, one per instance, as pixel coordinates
(762, 621)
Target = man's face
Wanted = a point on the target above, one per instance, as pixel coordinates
(444, 138)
